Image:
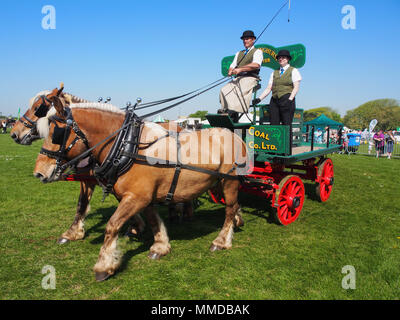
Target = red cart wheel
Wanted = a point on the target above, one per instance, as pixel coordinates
(289, 199)
(325, 177)
(216, 195)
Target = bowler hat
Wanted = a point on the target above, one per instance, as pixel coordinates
(284, 53)
(248, 34)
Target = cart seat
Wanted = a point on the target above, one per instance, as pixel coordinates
(224, 121)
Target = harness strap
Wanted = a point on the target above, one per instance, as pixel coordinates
(178, 168)
(31, 124)
(77, 138)
(52, 154)
(142, 158)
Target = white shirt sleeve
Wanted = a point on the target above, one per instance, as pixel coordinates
(234, 62)
(258, 57)
(271, 79)
(296, 76)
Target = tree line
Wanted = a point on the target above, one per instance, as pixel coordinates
(386, 111)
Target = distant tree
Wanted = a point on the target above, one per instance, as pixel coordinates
(316, 112)
(386, 111)
(199, 114)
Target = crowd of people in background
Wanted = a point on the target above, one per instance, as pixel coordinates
(6, 123)
(3, 126)
(382, 141)
(321, 136)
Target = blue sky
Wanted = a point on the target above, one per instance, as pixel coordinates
(157, 49)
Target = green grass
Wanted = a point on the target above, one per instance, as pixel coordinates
(358, 226)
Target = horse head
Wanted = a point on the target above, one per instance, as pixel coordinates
(25, 130)
(63, 141)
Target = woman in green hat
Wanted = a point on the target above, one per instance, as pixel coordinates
(284, 84)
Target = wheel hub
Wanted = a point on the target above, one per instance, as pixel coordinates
(296, 202)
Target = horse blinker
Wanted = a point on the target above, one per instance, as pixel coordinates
(41, 111)
(58, 135)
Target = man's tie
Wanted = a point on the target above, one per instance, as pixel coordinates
(282, 71)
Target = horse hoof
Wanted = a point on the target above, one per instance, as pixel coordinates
(154, 256)
(62, 240)
(214, 248)
(101, 276)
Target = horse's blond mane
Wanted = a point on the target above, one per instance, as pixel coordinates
(43, 125)
(97, 106)
(75, 98)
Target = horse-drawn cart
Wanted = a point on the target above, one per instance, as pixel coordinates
(283, 155)
(282, 159)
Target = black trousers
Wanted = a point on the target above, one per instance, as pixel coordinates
(282, 110)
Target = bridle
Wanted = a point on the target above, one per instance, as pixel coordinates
(60, 136)
(40, 112)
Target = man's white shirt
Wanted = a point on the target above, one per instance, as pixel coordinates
(257, 58)
(296, 76)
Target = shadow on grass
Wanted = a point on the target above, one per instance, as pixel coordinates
(259, 207)
(130, 254)
(309, 189)
(99, 227)
(205, 221)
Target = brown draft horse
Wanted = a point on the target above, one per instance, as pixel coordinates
(144, 184)
(25, 132)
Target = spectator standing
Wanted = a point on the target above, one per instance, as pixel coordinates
(4, 125)
(379, 139)
(319, 136)
(389, 143)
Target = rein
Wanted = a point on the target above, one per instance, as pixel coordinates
(213, 84)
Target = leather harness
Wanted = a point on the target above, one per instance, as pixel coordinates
(123, 154)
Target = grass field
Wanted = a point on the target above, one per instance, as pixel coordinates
(358, 226)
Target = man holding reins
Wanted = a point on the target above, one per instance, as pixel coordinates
(235, 97)
(284, 84)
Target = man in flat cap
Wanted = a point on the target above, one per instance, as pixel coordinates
(235, 96)
(284, 84)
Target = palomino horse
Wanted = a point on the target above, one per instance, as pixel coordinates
(143, 184)
(26, 131)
